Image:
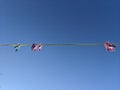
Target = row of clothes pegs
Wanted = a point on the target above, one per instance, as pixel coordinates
(110, 47)
(34, 47)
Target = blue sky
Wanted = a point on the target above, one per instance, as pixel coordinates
(59, 21)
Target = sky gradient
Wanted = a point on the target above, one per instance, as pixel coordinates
(59, 21)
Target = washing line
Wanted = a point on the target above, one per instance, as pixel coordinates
(63, 44)
(109, 46)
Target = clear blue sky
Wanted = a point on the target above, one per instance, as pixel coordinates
(59, 21)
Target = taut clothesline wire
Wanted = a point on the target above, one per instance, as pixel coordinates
(63, 44)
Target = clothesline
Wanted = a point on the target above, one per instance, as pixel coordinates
(109, 46)
(63, 44)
